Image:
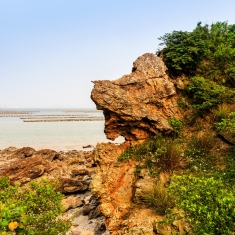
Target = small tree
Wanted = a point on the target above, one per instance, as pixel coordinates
(207, 51)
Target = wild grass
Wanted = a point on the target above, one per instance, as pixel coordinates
(222, 112)
(158, 198)
(199, 152)
(157, 154)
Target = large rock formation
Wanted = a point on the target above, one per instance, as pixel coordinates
(117, 186)
(113, 184)
(139, 104)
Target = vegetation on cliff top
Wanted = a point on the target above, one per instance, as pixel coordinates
(207, 51)
(199, 155)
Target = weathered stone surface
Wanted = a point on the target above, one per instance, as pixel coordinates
(71, 169)
(113, 184)
(139, 104)
(71, 202)
(24, 164)
(24, 152)
(69, 185)
(76, 172)
(47, 154)
(26, 169)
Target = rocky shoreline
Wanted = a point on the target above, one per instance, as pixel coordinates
(73, 169)
(100, 192)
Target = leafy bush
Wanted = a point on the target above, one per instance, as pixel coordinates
(208, 205)
(182, 52)
(157, 153)
(32, 209)
(208, 51)
(176, 124)
(227, 124)
(226, 128)
(207, 94)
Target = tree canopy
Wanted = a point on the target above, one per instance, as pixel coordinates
(207, 51)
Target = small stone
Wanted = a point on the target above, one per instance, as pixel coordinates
(80, 172)
(88, 146)
(87, 209)
(71, 203)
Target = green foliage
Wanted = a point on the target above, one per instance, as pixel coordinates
(207, 94)
(182, 52)
(182, 104)
(228, 173)
(158, 198)
(176, 124)
(157, 153)
(31, 210)
(208, 51)
(227, 124)
(226, 127)
(208, 205)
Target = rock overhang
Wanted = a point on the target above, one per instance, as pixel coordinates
(139, 104)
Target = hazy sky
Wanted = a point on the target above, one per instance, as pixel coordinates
(51, 50)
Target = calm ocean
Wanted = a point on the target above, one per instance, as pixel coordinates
(60, 136)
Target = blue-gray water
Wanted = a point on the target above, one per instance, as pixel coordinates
(60, 136)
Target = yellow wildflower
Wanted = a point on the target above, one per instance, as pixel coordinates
(13, 225)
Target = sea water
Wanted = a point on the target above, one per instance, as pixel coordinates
(60, 136)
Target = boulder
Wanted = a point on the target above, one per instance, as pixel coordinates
(47, 154)
(71, 203)
(140, 104)
(69, 185)
(24, 152)
(24, 170)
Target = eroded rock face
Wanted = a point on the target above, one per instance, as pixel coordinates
(139, 104)
(113, 184)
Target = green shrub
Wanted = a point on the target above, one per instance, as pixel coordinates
(228, 173)
(208, 51)
(176, 124)
(32, 209)
(182, 103)
(227, 124)
(226, 128)
(208, 205)
(207, 94)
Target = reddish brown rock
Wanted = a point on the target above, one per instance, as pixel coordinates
(71, 202)
(21, 167)
(24, 152)
(69, 185)
(82, 171)
(113, 184)
(139, 104)
(27, 169)
(47, 154)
